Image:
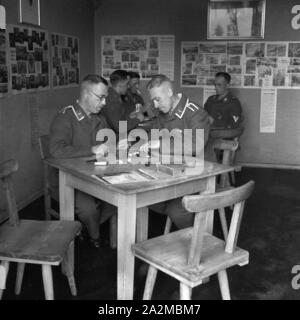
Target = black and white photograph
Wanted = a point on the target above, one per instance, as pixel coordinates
(149, 150)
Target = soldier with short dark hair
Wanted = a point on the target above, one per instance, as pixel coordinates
(176, 112)
(224, 108)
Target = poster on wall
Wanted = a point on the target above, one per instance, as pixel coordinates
(202, 60)
(28, 59)
(250, 64)
(147, 55)
(268, 106)
(3, 64)
(64, 61)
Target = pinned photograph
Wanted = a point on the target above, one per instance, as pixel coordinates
(294, 49)
(189, 80)
(276, 50)
(235, 60)
(235, 48)
(255, 49)
(279, 76)
(249, 81)
(234, 69)
(211, 59)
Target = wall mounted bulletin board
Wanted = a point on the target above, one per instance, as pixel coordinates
(26, 64)
(64, 61)
(147, 55)
(3, 64)
(250, 64)
(28, 59)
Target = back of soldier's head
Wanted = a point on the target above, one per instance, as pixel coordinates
(158, 81)
(91, 80)
(133, 75)
(118, 76)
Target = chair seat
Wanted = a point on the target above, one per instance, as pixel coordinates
(226, 133)
(169, 253)
(45, 241)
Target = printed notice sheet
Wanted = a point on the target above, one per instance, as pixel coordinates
(268, 110)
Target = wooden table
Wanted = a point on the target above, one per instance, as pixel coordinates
(132, 201)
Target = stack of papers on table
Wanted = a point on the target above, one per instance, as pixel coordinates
(127, 177)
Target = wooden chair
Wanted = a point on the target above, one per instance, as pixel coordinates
(229, 134)
(53, 193)
(191, 255)
(46, 243)
(50, 192)
(227, 147)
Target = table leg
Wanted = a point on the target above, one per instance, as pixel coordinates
(210, 188)
(126, 237)
(142, 224)
(66, 209)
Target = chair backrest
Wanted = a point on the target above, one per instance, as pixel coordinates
(44, 146)
(227, 146)
(7, 169)
(202, 204)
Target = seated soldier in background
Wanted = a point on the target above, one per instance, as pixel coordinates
(133, 88)
(224, 108)
(73, 134)
(179, 113)
(118, 106)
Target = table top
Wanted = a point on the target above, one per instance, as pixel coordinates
(81, 168)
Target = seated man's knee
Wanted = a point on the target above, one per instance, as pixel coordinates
(85, 205)
(179, 216)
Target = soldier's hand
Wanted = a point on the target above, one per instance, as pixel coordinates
(123, 144)
(152, 144)
(100, 150)
(140, 116)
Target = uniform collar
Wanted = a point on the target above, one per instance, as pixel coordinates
(81, 114)
(225, 98)
(78, 111)
(181, 104)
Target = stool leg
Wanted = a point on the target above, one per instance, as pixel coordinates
(223, 222)
(4, 264)
(185, 292)
(48, 281)
(150, 281)
(113, 231)
(20, 273)
(69, 273)
(47, 197)
(223, 282)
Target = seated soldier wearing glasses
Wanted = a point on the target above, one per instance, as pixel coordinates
(73, 134)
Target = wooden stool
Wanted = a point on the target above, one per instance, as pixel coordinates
(191, 255)
(38, 242)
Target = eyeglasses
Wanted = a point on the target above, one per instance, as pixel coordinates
(100, 98)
